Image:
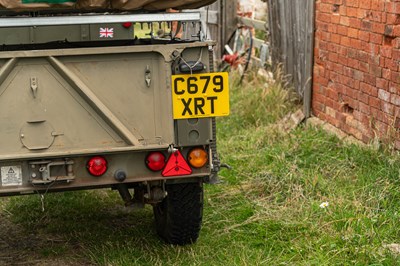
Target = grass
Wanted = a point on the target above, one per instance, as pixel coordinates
(266, 211)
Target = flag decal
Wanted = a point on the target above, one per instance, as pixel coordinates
(106, 32)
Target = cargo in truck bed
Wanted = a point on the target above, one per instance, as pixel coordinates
(148, 5)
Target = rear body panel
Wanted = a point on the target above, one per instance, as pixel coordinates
(61, 106)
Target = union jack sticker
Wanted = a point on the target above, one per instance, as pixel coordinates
(106, 32)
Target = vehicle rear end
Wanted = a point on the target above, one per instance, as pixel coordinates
(87, 103)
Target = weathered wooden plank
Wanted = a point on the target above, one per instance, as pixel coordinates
(253, 23)
(229, 22)
(291, 26)
(257, 43)
(307, 97)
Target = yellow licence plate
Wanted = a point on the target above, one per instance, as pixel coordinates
(200, 95)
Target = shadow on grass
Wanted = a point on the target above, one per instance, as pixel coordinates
(93, 225)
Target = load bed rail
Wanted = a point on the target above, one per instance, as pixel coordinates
(7, 22)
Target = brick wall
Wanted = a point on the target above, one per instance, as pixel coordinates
(357, 67)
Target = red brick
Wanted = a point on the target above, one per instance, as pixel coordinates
(318, 105)
(393, 19)
(366, 25)
(378, 28)
(396, 31)
(374, 102)
(364, 67)
(356, 44)
(375, 59)
(345, 41)
(332, 121)
(342, 118)
(335, 38)
(319, 98)
(386, 74)
(357, 62)
(382, 84)
(333, 47)
(395, 77)
(376, 16)
(332, 28)
(364, 108)
(396, 54)
(335, 19)
(342, 30)
(396, 43)
(369, 89)
(363, 97)
(375, 70)
(365, 4)
(344, 21)
(384, 95)
(321, 80)
(391, 64)
(323, 17)
(342, 60)
(333, 104)
(355, 23)
(363, 35)
(370, 79)
(353, 63)
(394, 88)
(376, 38)
(353, 3)
(362, 56)
(352, 33)
(324, 8)
(377, 5)
(372, 48)
(332, 94)
(387, 108)
(395, 100)
(352, 12)
(321, 26)
(393, 8)
(386, 52)
(338, 68)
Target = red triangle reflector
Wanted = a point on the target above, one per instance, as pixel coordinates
(176, 166)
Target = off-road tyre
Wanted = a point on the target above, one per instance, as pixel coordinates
(178, 217)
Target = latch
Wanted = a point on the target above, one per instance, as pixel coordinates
(34, 86)
(148, 76)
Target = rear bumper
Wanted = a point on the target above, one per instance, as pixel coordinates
(70, 173)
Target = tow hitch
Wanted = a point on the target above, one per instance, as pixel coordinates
(46, 172)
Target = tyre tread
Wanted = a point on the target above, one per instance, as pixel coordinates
(179, 216)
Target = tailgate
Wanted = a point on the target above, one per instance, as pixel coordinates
(86, 100)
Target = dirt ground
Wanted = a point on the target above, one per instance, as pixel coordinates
(18, 246)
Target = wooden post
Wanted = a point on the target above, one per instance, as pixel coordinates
(229, 21)
(291, 25)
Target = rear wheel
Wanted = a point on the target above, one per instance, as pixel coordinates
(178, 217)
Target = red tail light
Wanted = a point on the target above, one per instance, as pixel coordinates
(155, 161)
(127, 25)
(97, 166)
